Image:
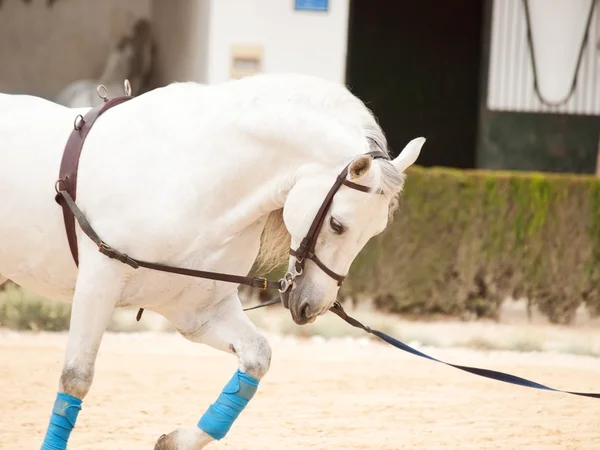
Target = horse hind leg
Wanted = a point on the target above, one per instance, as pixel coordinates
(98, 288)
(230, 331)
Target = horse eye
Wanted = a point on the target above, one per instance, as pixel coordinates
(337, 227)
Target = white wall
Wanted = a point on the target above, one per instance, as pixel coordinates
(195, 38)
(307, 42)
(558, 28)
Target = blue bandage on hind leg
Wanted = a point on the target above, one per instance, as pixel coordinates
(63, 418)
(219, 417)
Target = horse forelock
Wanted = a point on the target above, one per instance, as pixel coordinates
(388, 179)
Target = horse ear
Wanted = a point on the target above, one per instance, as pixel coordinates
(409, 154)
(359, 167)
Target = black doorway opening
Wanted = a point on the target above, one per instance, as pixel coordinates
(417, 66)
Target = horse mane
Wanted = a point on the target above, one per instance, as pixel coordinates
(275, 242)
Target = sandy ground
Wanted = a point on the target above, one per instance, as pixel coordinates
(336, 394)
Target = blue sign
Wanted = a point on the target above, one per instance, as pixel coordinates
(312, 5)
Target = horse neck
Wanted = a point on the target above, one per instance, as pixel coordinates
(269, 165)
(250, 146)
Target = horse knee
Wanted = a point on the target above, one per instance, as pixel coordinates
(255, 356)
(76, 380)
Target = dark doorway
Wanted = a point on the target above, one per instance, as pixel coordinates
(416, 64)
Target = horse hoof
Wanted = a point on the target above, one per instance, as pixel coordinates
(192, 438)
(162, 443)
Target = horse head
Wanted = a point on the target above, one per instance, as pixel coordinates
(329, 226)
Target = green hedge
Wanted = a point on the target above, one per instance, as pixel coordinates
(22, 310)
(462, 241)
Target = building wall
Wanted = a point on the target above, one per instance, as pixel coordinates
(44, 48)
(516, 131)
(308, 42)
(198, 40)
(557, 33)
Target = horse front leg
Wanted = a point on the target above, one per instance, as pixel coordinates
(97, 290)
(231, 331)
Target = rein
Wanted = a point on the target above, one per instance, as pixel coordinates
(66, 194)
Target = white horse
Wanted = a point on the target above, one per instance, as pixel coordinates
(204, 177)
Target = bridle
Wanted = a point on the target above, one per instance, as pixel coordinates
(306, 249)
(65, 196)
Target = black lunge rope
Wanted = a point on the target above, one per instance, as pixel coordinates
(492, 374)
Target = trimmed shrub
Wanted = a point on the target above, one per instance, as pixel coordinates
(21, 310)
(463, 241)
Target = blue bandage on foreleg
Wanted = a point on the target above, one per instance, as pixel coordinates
(219, 417)
(63, 418)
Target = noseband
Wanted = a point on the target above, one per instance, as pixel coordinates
(306, 249)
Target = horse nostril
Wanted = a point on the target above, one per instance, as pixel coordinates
(304, 309)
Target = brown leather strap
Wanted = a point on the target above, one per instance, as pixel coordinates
(320, 217)
(339, 278)
(70, 162)
(306, 249)
(311, 237)
(358, 187)
(256, 282)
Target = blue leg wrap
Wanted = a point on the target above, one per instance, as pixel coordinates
(219, 417)
(62, 421)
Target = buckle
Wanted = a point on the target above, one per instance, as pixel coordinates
(107, 250)
(260, 282)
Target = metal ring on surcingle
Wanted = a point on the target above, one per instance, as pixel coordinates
(127, 86)
(78, 123)
(102, 92)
